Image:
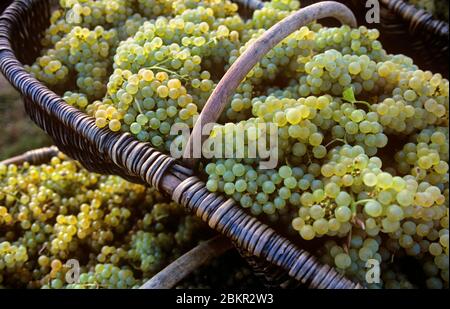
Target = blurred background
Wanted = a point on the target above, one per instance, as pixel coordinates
(19, 133)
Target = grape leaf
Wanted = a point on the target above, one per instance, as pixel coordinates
(348, 95)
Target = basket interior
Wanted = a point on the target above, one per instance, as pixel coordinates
(28, 31)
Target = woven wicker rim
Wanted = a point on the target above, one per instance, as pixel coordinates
(418, 19)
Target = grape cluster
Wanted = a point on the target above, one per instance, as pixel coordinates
(105, 43)
(426, 157)
(272, 12)
(103, 276)
(120, 233)
(352, 258)
(130, 99)
(82, 53)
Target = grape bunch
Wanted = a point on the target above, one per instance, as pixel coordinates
(103, 43)
(119, 233)
(361, 135)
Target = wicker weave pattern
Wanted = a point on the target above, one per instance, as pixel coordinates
(272, 276)
(425, 38)
(255, 237)
(419, 20)
(4, 4)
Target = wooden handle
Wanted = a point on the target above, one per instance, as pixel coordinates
(187, 263)
(252, 55)
(37, 156)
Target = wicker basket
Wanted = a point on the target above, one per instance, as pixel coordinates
(407, 30)
(175, 271)
(413, 32)
(192, 260)
(4, 4)
(103, 151)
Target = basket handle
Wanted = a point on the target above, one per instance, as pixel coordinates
(182, 267)
(36, 156)
(252, 55)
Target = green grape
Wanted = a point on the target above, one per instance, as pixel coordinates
(120, 233)
(307, 232)
(343, 214)
(373, 209)
(342, 260)
(343, 199)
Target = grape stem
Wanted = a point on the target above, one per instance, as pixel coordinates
(138, 104)
(162, 62)
(309, 158)
(349, 240)
(362, 102)
(43, 248)
(213, 41)
(156, 67)
(342, 140)
(356, 203)
(356, 220)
